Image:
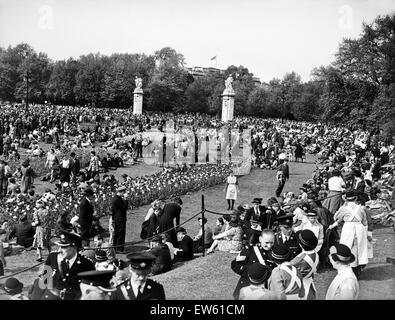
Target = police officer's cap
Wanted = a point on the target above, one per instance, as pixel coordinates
(68, 239)
(140, 260)
(100, 279)
(286, 220)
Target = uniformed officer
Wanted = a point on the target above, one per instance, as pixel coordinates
(66, 264)
(285, 280)
(96, 285)
(138, 286)
(307, 261)
(287, 236)
(258, 253)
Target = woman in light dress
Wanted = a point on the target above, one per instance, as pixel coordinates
(231, 189)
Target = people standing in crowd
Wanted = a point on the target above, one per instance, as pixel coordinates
(51, 163)
(345, 285)
(94, 165)
(27, 176)
(119, 207)
(231, 189)
(316, 227)
(41, 239)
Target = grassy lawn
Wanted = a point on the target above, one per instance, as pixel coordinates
(211, 277)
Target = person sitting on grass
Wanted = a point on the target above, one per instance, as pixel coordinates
(198, 239)
(184, 252)
(231, 239)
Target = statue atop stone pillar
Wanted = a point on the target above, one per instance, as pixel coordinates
(138, 96)
(228, 100)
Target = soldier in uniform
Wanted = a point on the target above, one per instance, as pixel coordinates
(287, 236)
(139, 286)
(66, 264)
(307, 262)
(96, 285)
(250, 254)
(285, 280)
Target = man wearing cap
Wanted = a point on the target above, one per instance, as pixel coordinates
(161, 251)
(355, 230)
(250, 254)
(139, 286)
(286, 279)
(258, 274)
(96, 285)
(119, 207)
(307, 262)
(86, 215)
(286, 235)
(257, 218)
(345, 285)
(66, 264)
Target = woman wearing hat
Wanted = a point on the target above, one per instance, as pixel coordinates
(345, 285)
(14, 287)
(355, 230)
(307, 262)
(258, 274)
(286, 280)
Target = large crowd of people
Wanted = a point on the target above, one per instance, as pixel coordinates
(280, 242)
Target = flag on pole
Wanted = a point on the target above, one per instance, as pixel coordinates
(213, 58)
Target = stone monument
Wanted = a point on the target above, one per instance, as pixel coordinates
(138, 96)
(228, 100)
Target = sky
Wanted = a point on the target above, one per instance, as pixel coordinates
(269, 37)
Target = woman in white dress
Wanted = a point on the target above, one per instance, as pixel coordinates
(355, 230)
(231, 189)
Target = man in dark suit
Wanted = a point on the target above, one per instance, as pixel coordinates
(161, 251)
(170, 212)
(251, 254)
(258, 220)
(119, 207)
(139, 286)
(184, 250)
(86, 215)
(66, 264)
(287, 236)
(24, 232)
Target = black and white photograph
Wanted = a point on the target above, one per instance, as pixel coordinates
(197, 151)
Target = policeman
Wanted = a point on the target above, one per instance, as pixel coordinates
(66, 264)
(287, 236)
(96, 285)
(285, 280)
(138, 286)
(258, 253)
(307, 261)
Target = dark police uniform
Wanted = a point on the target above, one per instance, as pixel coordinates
(292, 241)
(65, 277)
(249, 254)
(152, 290)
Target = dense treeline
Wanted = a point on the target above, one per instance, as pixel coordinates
(357, 88)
